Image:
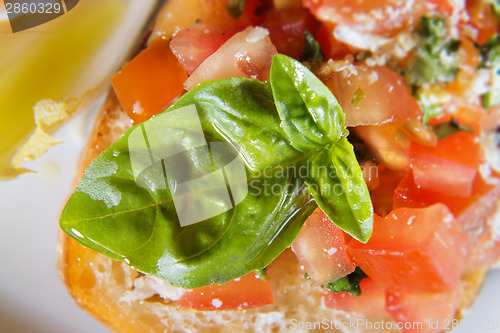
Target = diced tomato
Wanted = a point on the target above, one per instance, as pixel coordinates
(445, 6)
(286, 29)
(450, 167)
(382, 196)
(467, 114)
(471, 213)
(468, 63)
(248, 291)
(491, 119)
(382, 95)
(320, 248)
(414, 250)
(182, 14)
(371, 302)
(367, 15)
(379, 17)
(389, 142)
(482, 17)
(147, 84)
(423, 312)
(247, 54)
(409, 194)
(193, 45)
(370, 174)
(330, 46)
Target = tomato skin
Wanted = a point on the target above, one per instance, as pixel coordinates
(147, 84)
(413, 250)
(423, 312)
(482, 17)
(331, 47)
(450, 167)
(383, 195)
(371, 302)
(246, 292)
(386, 96)
(286, 29)
(389, 143)
(467, 114)
(470, 212)
(321, 249)
(193, 45)
(246, 54)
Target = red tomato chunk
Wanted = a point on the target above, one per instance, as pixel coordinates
(248, 291)
(423, 312)
(320, 247)
(147, 84)
(386, 97)
(450, 168)
(371, 302)
(414, 250)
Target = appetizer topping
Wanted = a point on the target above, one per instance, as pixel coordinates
(370, 302)
(248, 291)
(149, 83)
(321, 249)
(275, 128)
(385, 99)
(246, 54)
(433, 312)
(435, 60)
(349, 283)
(414, 250)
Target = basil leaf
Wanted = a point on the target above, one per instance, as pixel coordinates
(312, 51)
(224, 152)
(490, 59)
(310, 114)
(337, 185)
(430, 111)
(435, 60)
(132, 216)
(349, 283)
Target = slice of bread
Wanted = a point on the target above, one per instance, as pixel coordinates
(115, 294)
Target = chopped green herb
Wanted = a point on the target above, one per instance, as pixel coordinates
(312, 50)
(435, 60)
(446, 129)
(262, 273)
(127, 208)
(349, 284)
(490, 59)
(430, 111)
(357, 97)
(495, 6)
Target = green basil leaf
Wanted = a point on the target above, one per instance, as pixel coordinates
(336, 182)
(310, 114)
(209, 191)
(349, 283)
(435, 60)
(132, 215)
(312, 50)
(447, 129)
